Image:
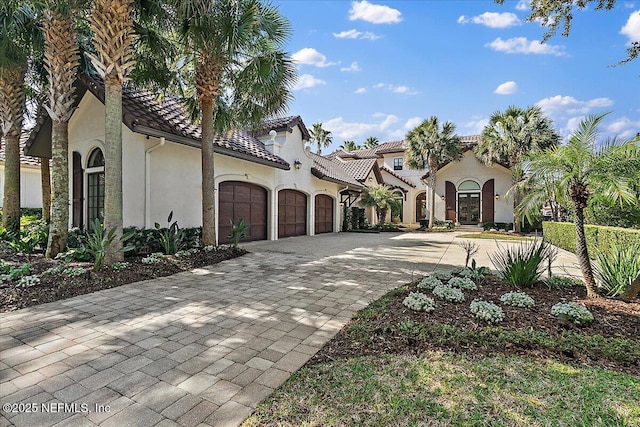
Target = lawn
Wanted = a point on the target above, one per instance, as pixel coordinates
(494, 235)
(395, 366)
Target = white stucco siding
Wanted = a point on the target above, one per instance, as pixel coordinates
(30, 186)
(470, 168)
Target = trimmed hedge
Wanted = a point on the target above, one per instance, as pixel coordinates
(563, 235)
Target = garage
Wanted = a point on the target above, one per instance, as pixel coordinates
(324, 214)
(292, 213)
(242, 200)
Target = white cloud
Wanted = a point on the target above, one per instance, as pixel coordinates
(374, 13)
(361, 90)
(523, 5)
(307, 81)
(310, 56)
(388, 121)
(352, 68)
(632, 28)
(412, 122)
(476, 126)
(379, 85)
(384, 126)
(624, 127)
(492, 19)
(402, 89)
(629, 5)
(568, 105)
(525, 46)
(355, 34)
(506, 88)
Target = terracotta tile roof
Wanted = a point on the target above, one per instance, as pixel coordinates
(283, 124)
(143, 113)
(391, 147)
(359, 169)
(24, 159)
(328, 170)
(388, 170)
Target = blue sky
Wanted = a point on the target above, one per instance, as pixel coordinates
(377, 68)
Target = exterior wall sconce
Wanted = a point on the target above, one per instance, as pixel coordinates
(497, 196)
(442, 197)
(297, 164)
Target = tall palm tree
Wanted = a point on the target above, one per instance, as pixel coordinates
(430, 145)
(113, 36)
(17, 37)
(62, 58)
(320, 136)
(582, 168)
(371, 142)
(241, 74)
(511, 136)
(350, 146)
(383, 199)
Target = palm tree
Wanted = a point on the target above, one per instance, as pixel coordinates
(62, 57)
(582, 169)
(382, 198)
(320, 136)
(113, 36)
(432, 145)
(241, 74)
(371, 142)
(350, 146)
(512, 136)
(17, 37)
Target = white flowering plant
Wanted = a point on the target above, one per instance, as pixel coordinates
(28, 281)
(121, 265)
(186, 252)
(448, 293)
(487, 311)
(462, 283)
(572, 311)
(154, 258)
(74, 271)
(429, 283)
(419, 302)
(518, 299)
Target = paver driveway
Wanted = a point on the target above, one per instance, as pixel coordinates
(201, 347)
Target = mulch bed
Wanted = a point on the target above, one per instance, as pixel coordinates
(612, 319)
(57, 287)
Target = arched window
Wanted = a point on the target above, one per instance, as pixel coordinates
(95, 187)
(469, 186)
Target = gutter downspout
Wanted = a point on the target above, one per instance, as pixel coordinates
(147, 181)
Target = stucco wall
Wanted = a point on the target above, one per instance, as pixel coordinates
(30, 186)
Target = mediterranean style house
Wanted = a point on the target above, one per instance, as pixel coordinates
(30, 183)
(467, 191)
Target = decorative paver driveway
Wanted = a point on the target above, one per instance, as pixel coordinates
(201, 347)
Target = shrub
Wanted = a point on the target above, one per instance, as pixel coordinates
(473, 273)
(186, 252)
(573, 312)
(471, 248)
(120, 266)
(58, 269)
(28, 281)
(442, 275)
(487, 311)
(154, 258)
(562, 282)
(210, 248)
(429, 283)
(238, 232)
(74, 271)
(75, 254)
(518, 299)
(462, 283)
(522, 264)
(448, 293)
(419, 302)
(171, 238)
(98, 242)
(446, 224)
(563, 235)
(616, 268)
(14, 273)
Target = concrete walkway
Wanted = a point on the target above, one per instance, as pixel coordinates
(204, 347)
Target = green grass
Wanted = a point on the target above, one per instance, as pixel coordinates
(493, 236)
(442, 389)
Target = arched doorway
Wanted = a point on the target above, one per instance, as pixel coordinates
(469, 202)
(95, 187)
(292, 213)
(242, 200)
(421, 206)
(397, 214)
(323, 214)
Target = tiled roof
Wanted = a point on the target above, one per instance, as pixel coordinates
(391, 147)
(359, 169)
(143, 113)
(24, 159)
(387, 169)
(283, 124)
(328, 170)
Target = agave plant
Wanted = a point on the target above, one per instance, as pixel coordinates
(522, 265)
(616, 268)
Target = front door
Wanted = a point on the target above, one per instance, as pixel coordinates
(469, 208)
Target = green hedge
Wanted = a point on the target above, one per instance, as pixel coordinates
(563, 235)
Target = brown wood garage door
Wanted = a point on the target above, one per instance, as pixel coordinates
(292, 213)
(324, 214)
(242, 200)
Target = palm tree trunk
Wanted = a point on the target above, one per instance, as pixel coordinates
(208, 176)
(59, 208)
(517, 198)
(45, 182)
(11, 200)
(583, 254)
(633, 290)
(432, 201)
(113, 168)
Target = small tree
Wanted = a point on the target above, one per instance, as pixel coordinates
(350, 146)
(320, 136)
(371, 142)
(382, 198)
